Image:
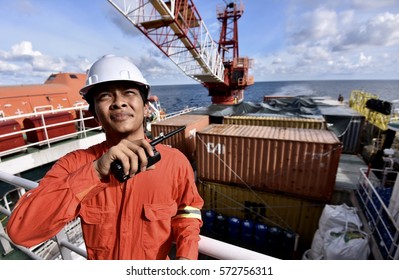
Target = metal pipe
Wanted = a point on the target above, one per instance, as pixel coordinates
(5, 211)
(224, 251)
(17, 181)
(22, 249)
(74, 248)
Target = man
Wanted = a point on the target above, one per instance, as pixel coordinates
(136, 219)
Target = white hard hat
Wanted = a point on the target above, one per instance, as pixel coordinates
(113, 68)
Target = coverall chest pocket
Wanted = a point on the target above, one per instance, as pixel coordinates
(98, 225)
(157, 224)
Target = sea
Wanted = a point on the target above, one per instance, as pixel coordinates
(178, 97)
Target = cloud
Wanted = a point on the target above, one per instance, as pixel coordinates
(24, 49)
(323, 40)
(277, 60)
(363, 59)
(306, 39)
(24, 62)
(48, 64)
(373, 4)
(343, 30)
(158, 69)
(28, 58)
(315, 25)
(381, 30)
(9, 68)
(32, 66)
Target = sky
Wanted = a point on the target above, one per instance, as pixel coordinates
(287, 39)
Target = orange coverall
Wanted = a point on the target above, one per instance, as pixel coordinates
(137, 219)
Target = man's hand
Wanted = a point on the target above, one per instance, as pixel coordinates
(130, 153)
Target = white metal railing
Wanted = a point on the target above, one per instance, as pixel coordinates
(207, 246)
(373, 194)
(78, 121)
(178, 113)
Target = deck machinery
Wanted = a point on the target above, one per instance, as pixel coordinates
(177, 29)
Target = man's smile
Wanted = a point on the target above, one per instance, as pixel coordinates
(120, 116)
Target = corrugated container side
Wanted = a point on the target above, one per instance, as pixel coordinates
(183, 141)
(351, 138)
(347, 124)
(299, 215)
(299, 162)
(277, 121)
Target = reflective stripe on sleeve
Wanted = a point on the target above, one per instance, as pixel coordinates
(188, 212)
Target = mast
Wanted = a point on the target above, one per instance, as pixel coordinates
(236, 71)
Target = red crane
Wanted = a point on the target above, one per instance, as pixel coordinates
(177, 29)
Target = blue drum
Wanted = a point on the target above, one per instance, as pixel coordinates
(209, 221)
(221, 225)
(274, 240)
(260, 236)
(247, 233)
(234, 229)
(288, 244)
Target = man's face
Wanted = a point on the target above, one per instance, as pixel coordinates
(119, 108)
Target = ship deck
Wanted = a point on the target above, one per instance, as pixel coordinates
(346, 181)
(349, 171)
(347, 178)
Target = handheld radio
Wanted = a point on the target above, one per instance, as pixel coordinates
(116, 165)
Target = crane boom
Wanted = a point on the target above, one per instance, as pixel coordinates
(177, 29)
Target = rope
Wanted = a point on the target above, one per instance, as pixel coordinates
(346, 129)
